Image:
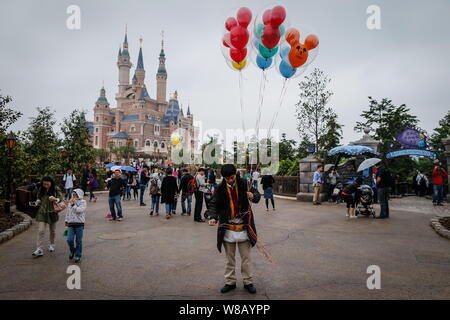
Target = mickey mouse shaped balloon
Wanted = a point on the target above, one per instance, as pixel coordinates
(298, 55)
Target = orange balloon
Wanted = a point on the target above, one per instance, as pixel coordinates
(311, 42)
(292, 35)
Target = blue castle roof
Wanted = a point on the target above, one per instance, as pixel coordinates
(120, 135)
(173, 110)
(131, 117)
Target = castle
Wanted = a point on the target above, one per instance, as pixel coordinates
(139, 120)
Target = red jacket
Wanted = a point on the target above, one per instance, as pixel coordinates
(438, 176)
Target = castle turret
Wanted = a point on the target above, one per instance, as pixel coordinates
(102, 120)
(140, 70)
(124, 65)
(161, 76)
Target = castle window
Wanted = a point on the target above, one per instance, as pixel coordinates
(96, 129)
(120, 143)
(133, 129)
(96, 140)
(136, 143)
(162, 145)
(147, 143)
(96, 119)
(155, 144)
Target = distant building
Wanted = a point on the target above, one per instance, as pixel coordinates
(138, 119)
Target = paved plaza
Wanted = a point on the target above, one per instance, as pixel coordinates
(317, 254)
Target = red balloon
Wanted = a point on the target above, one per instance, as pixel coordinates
(270, 36)
(230, 23)
(267, 17)
(238, 55)
(239, 37)
(244, 17)
(226, 40)
(278, 16)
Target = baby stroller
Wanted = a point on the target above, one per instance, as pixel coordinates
(208, 196)
(365, 201)
(336, 196)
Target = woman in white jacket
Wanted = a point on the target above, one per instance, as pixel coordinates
(75, 218)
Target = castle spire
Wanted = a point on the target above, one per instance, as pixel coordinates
(161, 75)
(140, 63)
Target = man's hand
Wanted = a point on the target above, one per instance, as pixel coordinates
(250, 195)
(52, 198)
(212, 222)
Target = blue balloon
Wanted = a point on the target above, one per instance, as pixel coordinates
(284, 54)
(263, 63)
(286, 70)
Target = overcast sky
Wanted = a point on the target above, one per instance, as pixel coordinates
(43, 63)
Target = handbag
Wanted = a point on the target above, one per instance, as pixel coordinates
(60, 206)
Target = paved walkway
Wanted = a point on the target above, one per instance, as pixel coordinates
(317, 254)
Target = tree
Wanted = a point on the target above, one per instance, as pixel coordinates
(124, 152)
(388, 121)
(76, 141)
(101, 154)
(442, 132)
(7, 116)
(315, 121)
(287, 148)
(42, 143)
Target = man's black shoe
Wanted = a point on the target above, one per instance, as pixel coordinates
(199, 220)
(142, 204)
(227, 288)
(250, 288)
(380, 217)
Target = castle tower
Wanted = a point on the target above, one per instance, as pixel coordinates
(102, 120)
(140, 71)
(161, 76)
(124, 65)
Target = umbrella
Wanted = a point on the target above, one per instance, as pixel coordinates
(128, 168)
(368, 163)
(116, 168)
(109, 165)
(328, 167)
(351, 150)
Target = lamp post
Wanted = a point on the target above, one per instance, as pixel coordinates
(128, 153)
(11, 143)
(111, 146)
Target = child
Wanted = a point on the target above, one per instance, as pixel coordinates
(75, 218)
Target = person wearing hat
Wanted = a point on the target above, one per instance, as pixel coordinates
(75, 218)
(230, 206)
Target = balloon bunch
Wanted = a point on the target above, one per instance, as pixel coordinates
(296, 56)
(269, 29)
(236, 39)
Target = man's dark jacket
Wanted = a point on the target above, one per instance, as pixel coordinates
(219, 208)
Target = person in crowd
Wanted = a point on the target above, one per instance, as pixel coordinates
(47, 195)
(421, 182)
(333, 177)
(130, 181)
(92, 184)
(438, 175)
(255, 177)
(374, 186)
(317, 184)
(116, 186)
(169, 189)
(84, 177)
(384, 182)
(212, 178)
(155, 193)
(350, 195)
(201, 186)
(75, 219)
(230, 207)
(180, 175)
(135, 186)
(143, 181)
(247, 175)
(187, 188)
(69, 183)
(267, 182)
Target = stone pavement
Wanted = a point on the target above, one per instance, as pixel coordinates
(317, 255)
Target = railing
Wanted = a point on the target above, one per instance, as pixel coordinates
(286, 186)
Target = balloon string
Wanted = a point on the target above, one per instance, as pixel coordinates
(262, 90)
(241, 87)
(275, 116)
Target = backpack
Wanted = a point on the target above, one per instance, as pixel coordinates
(192, 185)
(154, 187)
